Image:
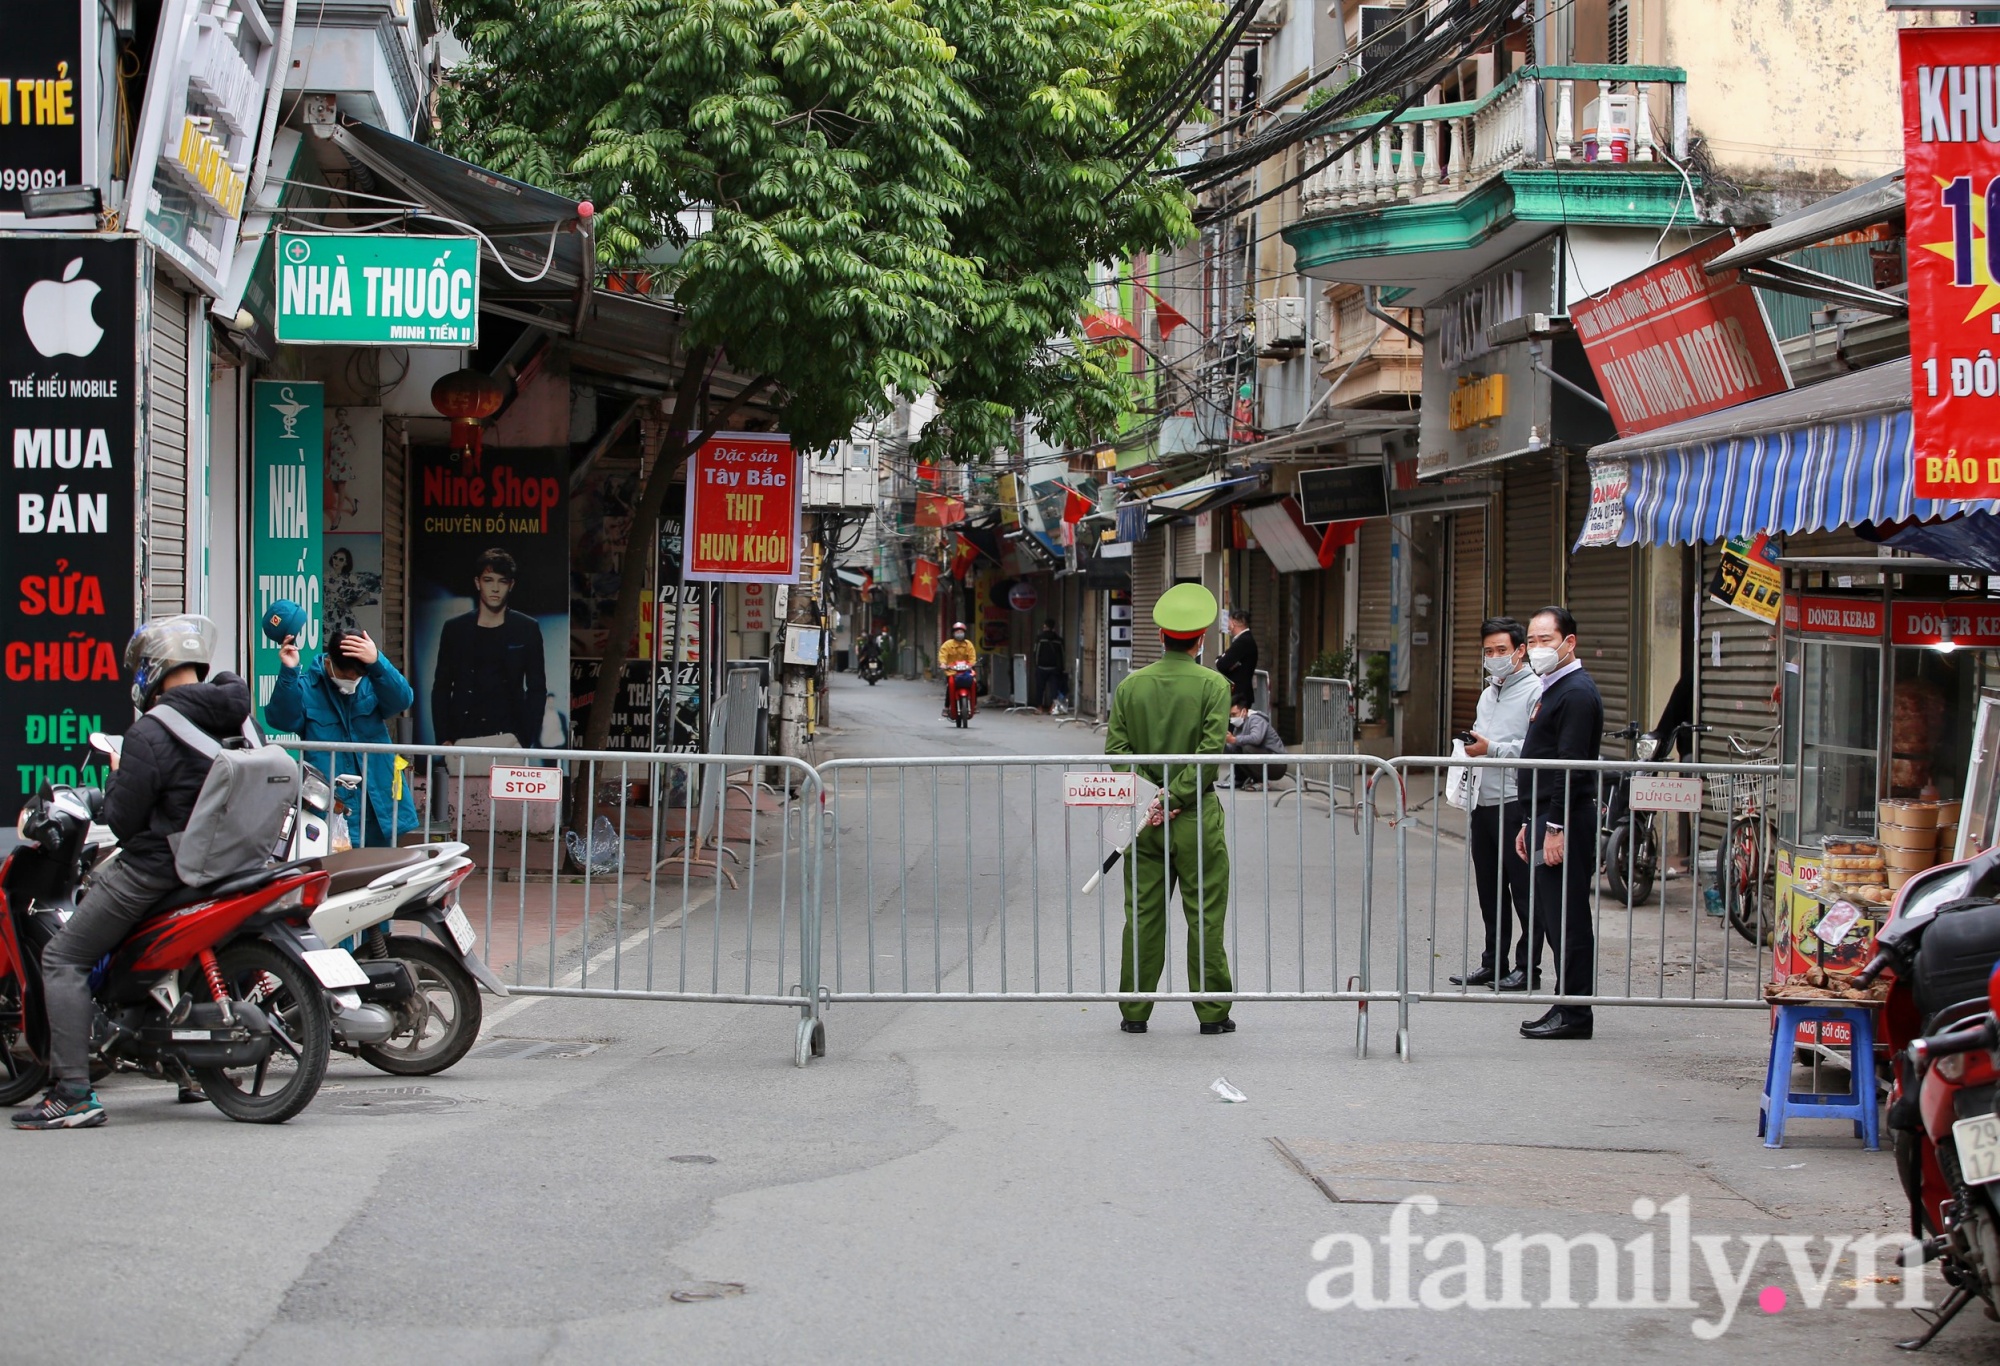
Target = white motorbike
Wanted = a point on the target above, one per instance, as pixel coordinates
(426, 988)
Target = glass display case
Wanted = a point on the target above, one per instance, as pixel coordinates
(1832, 721)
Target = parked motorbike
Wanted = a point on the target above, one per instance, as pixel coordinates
(871, 669)
(961, 694)
(1943, 943)
(429, 991)
(224, 986)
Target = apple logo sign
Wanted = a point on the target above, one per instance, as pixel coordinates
(57, 314)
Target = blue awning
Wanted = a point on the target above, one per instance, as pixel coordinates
(1831, 455)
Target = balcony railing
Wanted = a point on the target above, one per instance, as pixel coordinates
(1530, 119)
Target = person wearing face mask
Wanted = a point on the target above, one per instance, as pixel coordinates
(1559, 841)
(348, 693)
(1498, 728)
(954, 652)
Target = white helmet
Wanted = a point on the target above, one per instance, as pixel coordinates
(160, 647)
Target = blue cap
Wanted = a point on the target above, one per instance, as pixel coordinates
(285, 618)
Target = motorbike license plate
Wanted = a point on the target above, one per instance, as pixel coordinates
(335, 968)
(461, 929)
(1978, 1142)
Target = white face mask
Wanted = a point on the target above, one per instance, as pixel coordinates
(346, 685)
(1542, 659)
(1501, 668)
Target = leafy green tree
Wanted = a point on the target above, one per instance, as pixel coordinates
(904, 196)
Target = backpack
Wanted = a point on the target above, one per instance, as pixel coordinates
(245, 801)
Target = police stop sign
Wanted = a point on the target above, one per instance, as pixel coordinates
(526, 784)
(1100, 789)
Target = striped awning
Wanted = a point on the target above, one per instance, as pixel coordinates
(1833, 455)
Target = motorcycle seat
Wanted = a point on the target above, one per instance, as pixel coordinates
(212, 891)
(352, 869)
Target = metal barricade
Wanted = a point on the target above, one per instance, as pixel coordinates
(1326, 716)
(693, 877)
(1640, 938)
(971, 880)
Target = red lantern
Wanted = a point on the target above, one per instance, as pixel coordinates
(466, 396)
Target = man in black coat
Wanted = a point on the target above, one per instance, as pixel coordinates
(1048, 666)
(1560, 839)
(1238, 663)
(151, 794)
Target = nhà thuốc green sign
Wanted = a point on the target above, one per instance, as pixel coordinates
(370, 290)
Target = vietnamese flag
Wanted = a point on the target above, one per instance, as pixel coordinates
(1169, 316)
(1076, 507)
(923, 581)
(962, 558)
(927, 472)
(934, 509)
(1104, 325)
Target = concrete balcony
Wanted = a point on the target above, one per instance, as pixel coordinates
(1442, 190)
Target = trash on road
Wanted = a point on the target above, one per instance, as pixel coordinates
(1222, 1088)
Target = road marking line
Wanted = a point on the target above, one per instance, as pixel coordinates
(575, 976)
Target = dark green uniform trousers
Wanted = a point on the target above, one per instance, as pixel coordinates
(1199, 867)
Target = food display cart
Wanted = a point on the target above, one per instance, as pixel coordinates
(1891, 712)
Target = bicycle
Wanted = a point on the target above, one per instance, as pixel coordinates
(1743, 871)
(1631, 839)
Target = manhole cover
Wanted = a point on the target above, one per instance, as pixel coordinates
(1501, 1175)
(394, 1100)
(707, 1290)
(513, 1050)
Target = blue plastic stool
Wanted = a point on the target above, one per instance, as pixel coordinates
(1859, 1104)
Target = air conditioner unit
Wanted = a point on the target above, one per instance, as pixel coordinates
(1271, 16)
(1281, 321)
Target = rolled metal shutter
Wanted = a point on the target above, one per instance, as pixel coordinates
(1468, 609)
(1149, 580)
(1374, 630)
(1526, 533)
(1187, 551)
(1268, 626)
(163, 576)
(1598, 593)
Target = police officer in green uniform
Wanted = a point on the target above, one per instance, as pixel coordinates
(1176, 707)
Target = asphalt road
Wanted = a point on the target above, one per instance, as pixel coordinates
(623, 1180)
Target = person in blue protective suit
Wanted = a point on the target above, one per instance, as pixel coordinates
(348, 693)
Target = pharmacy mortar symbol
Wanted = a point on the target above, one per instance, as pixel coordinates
(289, 411)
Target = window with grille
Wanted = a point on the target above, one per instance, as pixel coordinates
(1618, 37)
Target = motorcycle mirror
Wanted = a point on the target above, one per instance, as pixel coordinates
(107, 744)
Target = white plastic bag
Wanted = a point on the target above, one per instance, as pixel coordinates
(1461, 782)
(340, 839)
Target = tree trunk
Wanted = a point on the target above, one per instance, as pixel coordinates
(679, 443)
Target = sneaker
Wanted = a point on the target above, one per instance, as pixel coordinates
(60, 1109)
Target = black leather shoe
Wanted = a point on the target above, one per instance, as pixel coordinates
(1560, 1024)
(1218, 1026)
(1549, 1016)
(1518, 981)
(1133, 1026)
(1481, 978)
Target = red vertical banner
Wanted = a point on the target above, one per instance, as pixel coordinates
(1951, 153)
(743, 504)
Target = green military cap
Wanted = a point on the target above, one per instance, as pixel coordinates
(1186, 609)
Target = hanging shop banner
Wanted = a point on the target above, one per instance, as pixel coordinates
(68, 568)
(1834, 616)
(1610, 481)
(48, 103)
(287, 515)
(1674, 342)
(198, 132)
(743, 500)
(1953, 173)
(489, 596)
(1748, 580)
(364, 289)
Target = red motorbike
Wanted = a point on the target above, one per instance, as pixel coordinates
(961, 694)
(225, 986)
(1943, 944)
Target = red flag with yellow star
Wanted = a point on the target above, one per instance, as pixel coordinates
(923, 581)
(962, 558)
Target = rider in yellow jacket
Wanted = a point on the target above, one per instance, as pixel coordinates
(958, 650)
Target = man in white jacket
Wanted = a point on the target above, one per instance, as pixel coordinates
(1502, 876)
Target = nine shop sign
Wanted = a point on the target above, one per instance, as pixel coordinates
(375, 290)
